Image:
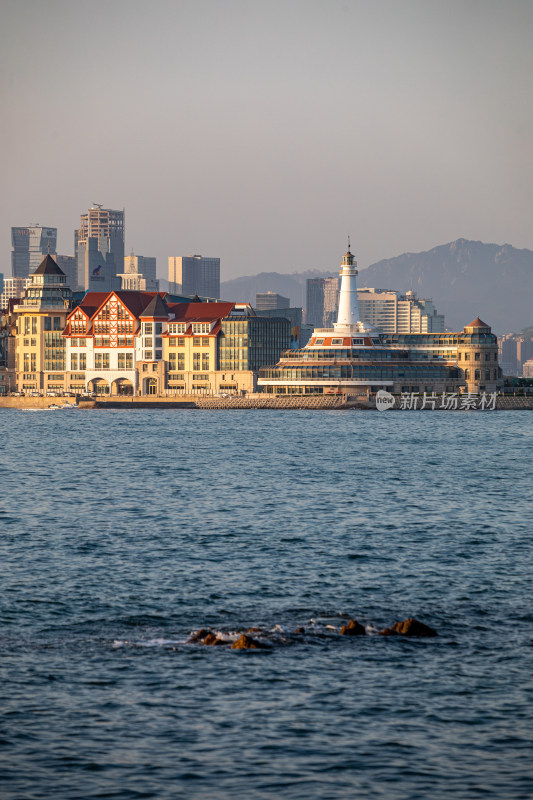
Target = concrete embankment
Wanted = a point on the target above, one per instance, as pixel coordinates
(316, 402)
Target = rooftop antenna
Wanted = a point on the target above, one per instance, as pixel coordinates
(97, 205)
(348, 242)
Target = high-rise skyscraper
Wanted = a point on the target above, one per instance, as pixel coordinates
(30, 244)
(99, 248)
(194, 275)
(322, 298)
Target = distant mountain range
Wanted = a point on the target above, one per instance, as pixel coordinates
(465, 279)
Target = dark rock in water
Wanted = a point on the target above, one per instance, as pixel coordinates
(199, 636)
(353, 628)
(409, 627)
(245, 642)
(212, 638)
(299, 630)
(253, 630)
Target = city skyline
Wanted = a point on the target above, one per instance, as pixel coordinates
(404, 126)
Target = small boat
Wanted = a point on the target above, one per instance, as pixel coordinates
(69, 405)
(53, 407)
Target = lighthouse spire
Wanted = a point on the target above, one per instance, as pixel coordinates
(348, 313)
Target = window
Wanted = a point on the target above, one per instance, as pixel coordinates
(477, 356)
(196, 361)
(337, 341)
(26, 325)
(205, 360)
(467, 356)
(495, 356)
(34, 324)
(197, 342)
(487, 356)
(129, 360)
(172, 342)
(158, 342)
(487, 374)
(148, 328)
(458, 356)
(180, 341)
(148, 341)
(158, 328)
(148, 355)
(73, 342)
(121, 360)
(467, 374)
(200, 327)
(205, 341)
(74, 362)
(477, 375)
(158, 355)
(57, 323)
(357, 341)
(83, 361)
(181, 361)
(48, 323)
(101, 361)
(319, 341)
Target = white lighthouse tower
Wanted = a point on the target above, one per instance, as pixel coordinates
(348, 321)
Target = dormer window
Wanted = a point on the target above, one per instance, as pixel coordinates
(177, 327)
(201, 327)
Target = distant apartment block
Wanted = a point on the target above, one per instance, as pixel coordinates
(139, 274)
(99, 248)
(514, 351)
(30, 244)
(194, 275)
(14, 288)
(269, 301)
(394, 312)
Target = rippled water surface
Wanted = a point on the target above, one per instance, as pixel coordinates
(121, 532)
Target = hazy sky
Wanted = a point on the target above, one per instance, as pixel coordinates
(265, 132)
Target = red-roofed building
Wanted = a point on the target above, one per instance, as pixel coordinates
(140, 343)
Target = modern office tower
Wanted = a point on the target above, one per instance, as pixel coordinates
(69, 266)
(322, 300)
(294, 315)
(1, 282)
(527, 368)
(99, 248)
(139, 274)
(194, 275)
(13, 289)
(269, 301)
(393, 312)
(29, 246)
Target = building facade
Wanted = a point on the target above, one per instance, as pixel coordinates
(30, 244)
(354, 357)
(141, 343)
(139, 274)
(194, 275)
(394, 312)
(40, 353)
(13, 289)
(99, 249)
(270, 301)
(321, 301)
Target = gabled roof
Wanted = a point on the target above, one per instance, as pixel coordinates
(91, 302)
(48, 267)
(478, 323)
(199, 312)
(156, 308)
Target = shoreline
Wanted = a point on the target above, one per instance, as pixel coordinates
(318, 403)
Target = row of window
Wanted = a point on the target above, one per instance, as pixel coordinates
(199, 361)
(477, 374)
(477, 356)
(180, 341)
(358, 371)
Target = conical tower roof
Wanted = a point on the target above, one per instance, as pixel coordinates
(156, 308)
(48, 267)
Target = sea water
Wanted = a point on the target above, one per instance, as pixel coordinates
(121, 532)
